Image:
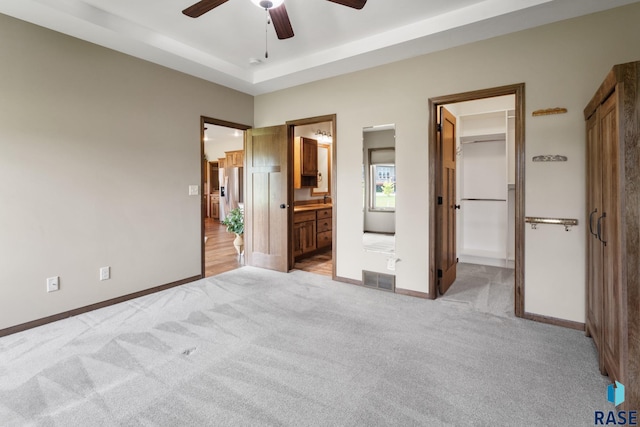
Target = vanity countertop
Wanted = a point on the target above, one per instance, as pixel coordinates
(314, 207)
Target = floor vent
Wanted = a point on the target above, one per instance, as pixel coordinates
(386, 282)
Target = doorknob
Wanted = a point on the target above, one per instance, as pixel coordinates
(456, 206)
(283, 206)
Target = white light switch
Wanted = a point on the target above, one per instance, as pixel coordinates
(53, 284)
(193, 190)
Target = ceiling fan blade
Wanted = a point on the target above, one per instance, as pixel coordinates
(281, 23)
(202, 7)
(356, 4)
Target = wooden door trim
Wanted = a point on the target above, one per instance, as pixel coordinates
(518, 90)
(334, 180)
(204, 120)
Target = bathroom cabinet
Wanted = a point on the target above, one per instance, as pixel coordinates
(304, 232)
(305, 162)
(312, 228)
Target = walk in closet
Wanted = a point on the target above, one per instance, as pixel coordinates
(486, 187)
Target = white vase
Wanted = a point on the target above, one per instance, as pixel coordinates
(238, 243)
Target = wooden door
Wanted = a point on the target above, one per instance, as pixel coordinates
(446, 205)
(266, 203)
(594, 304)
(608, 228)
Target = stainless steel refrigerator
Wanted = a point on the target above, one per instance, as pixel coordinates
(231, 190)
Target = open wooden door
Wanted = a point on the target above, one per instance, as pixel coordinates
(266, 202)
(446, 207)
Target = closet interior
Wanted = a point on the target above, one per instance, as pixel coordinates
(485, 181)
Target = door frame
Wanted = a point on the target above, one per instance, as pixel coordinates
(204, 120)
(434, 103)
(334, 187)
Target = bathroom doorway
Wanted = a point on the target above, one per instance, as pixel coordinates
(313, 226)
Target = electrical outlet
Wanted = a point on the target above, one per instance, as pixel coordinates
(53, 284)
(105, 273)
(193, 190)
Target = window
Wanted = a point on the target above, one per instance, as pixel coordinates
(382, 179)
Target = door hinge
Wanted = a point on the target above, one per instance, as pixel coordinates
(439, 127)
(439, 274)
(439, 200)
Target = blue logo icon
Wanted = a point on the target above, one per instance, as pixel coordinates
(615, 393)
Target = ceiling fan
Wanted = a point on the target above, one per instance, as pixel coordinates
(276, 9)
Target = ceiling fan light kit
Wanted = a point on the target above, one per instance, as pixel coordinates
(266, 4)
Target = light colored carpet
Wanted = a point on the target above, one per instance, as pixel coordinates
(255, 347)
(483, 288)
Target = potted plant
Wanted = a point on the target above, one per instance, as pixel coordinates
(235, 224)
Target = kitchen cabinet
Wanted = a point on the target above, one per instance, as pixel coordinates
(214, 206)
(212, 178)
(222, 162)
(613, 229)
(234, 159)
(305, 162)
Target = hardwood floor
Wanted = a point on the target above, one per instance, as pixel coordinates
(320, 263)
(219, 253)
(221, 256)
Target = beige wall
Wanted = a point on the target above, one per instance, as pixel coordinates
(97, 150)
(561, 64)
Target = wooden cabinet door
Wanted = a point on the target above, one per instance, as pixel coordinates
(308, 235)
(309, 157)
(297, 238)
(594, 303)
(304, 237)
(305, 163)
(614, 305)
(234, 159)
(215, 208)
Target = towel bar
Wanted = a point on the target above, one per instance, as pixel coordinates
(567, 222)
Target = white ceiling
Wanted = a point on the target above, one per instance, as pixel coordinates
(330, 39)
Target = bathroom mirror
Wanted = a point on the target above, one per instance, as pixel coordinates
(324, 171)
(379, 188)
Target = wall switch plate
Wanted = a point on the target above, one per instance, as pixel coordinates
(193, 190)
(53, 284)
(105, 273)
